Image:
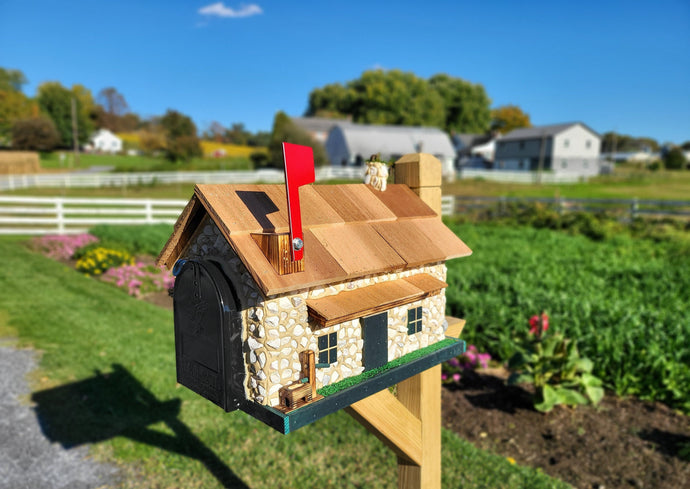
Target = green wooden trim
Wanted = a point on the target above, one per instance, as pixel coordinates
(285, 423)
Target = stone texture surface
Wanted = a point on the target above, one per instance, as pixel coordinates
(277, 329)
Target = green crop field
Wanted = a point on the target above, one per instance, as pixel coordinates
(107, 376)
(625, 301)
(663, 185)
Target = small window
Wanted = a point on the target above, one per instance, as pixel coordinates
(566, 143)
(414, 320)
(588, 144)
(585, 164)
(328, 348)
(522, 145)
(564, 164)
(521, 165)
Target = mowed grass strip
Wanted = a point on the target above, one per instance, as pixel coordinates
(93, 336)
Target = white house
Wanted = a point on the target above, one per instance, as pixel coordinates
(105, 141)
(571, 148)
(352, 144)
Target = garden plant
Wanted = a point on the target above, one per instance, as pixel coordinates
(553, 364)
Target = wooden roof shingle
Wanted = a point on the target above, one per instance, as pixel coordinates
(350, 231)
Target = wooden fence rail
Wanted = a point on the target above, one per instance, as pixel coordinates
(97, 180)
(61, 215)
(68, 215)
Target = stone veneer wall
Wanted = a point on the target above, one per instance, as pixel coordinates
(277, 328)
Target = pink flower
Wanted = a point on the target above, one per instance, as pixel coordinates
(456, 377)
(484, 359)
(454, 362)
(444, 377)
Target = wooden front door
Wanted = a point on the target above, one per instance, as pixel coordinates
(375, 336)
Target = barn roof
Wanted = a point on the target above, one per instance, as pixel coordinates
(350, 231)
(367, 139)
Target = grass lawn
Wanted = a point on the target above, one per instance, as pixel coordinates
(165, 436)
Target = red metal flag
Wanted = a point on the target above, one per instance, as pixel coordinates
(299, 170)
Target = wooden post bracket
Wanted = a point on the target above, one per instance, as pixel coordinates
(410, 425)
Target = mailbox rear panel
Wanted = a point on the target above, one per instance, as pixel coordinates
(205, 317)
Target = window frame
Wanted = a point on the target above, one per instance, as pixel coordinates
(414, 320)
(328, 348)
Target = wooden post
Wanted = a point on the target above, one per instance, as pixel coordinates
(421, 395)
(75, 133)
(411, 424)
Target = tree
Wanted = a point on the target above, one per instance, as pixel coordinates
(181, 141)
(112, 109)
(12, 80)
(35, 134)
(685, 146)
(259, 139)
(622, 143)
(13, 106)
(237, 134)
(674, 159)
(56, 102)
(399, 98)
(329, 101)
(112, 101)
(508, 117)
(215, 132)
(394, 97)
(466, 104)
(284, 130)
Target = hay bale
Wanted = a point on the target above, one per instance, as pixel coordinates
(19, 162)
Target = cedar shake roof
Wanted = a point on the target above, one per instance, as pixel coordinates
(350, 231)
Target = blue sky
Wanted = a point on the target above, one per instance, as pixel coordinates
(614, 65)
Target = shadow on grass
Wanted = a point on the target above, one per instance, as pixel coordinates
(117, 404)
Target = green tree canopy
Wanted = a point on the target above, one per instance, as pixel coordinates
(401, 98)
(674, 159)
(508, 117)
(34, 134)
(284, 130)
(181, 140)
(466, 104)
(623, 143)
(11, 80)
(13, 106)
(56, 102)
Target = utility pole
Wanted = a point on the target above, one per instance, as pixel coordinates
(75, 133)
(542, 149)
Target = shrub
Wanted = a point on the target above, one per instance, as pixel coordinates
(137, 240)
(36, 134)
(553, 364)
(100, 259)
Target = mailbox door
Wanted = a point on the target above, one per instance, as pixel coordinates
(207, 330)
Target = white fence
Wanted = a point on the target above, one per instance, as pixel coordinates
(51, 215)
(69, 180)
